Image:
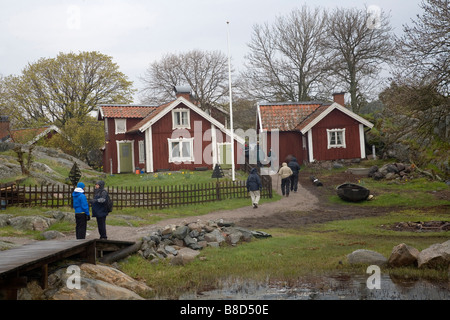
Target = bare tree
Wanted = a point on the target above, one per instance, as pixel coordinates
(359, 42)
(425, 47)
(286, 59)
(205, 72)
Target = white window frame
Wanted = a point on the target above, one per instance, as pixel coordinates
(176, 125)
(141, 147)
(106, 126)
(119, 124)
(179, 158)
(219, 152)
(335, 132)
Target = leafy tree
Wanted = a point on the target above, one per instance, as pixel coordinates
(80, 136)
(55, 90)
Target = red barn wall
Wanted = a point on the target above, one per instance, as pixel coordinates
(336, 120)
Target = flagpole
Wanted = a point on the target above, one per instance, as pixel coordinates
(231, 103)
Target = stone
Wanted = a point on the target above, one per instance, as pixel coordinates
(437, 256)
(403, 255)
(363, 256)
(4, 219)
(31, 223)
(184, 256)
(52, 234)
(181, 232)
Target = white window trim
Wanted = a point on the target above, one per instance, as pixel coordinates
(173, 159)
(177, 126)
(330, 132)
(106, 126)
(116, 122)
(141, 146)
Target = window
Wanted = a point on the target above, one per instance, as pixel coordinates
(180, 119)
(181, 150)
(336, 138)
(121, 125)
(141, 151)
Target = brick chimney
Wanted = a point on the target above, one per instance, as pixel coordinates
(4, 127)
(183, 91)
(339, 97)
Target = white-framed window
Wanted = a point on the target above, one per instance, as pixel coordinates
(181, 119)
(106, 126)
(181, 150)
(141, 151)
(336, 138)
(121, 125)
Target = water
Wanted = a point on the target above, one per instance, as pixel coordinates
(334, 287)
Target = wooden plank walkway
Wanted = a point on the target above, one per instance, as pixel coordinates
(15, 262)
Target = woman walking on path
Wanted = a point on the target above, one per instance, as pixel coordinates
(254, 186)
(81, 207)
(100, 207)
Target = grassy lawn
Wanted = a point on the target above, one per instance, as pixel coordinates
(289, 255)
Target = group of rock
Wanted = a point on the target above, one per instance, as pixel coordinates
(391, 171)
(182, 243)
(436, 256)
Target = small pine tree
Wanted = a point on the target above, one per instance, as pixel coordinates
(75, 174)
(218, 172)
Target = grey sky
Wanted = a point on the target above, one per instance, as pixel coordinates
(136, 33)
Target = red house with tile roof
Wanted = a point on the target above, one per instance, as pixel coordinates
(314, 131)
(173, 136)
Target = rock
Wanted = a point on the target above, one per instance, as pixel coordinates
(114, 277)
(363, 256)
(52, 234)
(403, 255)
(181, 232)
(31, 222)
(4, 219)
(62, 216)
(437, 256)
(6, 245)
(184, 256)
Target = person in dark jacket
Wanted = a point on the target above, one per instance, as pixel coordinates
(295, 167)
(254, 186)
(81, 207)
(100, 207)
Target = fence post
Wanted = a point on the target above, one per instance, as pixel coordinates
(160, 198)
(217, 190)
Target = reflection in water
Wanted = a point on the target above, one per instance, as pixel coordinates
(334, 287)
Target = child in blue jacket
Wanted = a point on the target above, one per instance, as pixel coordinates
(81, 207)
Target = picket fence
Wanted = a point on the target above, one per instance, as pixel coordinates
(158, 197)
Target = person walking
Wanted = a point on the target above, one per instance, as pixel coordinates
(254, 186)
(285, 172)
(100, 207)
(295, 167)
(81, 206)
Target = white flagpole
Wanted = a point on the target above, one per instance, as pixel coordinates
(231, 103)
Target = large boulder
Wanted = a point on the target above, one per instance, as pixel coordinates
(437, 256)
(184, 256)
(403, 255)
(97, 282)
(37, 223)
(363, 256)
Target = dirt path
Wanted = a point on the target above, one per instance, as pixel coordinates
(303, 200)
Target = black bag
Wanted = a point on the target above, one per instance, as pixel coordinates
(109, 203)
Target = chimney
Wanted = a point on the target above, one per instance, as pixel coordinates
(183, 91)
(4, 127)
(339, 97)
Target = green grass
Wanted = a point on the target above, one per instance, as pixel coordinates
(288, 256)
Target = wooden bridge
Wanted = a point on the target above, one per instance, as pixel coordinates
(19, 264)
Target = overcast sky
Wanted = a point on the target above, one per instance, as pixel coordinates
(136, 33)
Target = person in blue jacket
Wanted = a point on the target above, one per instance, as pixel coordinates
(81, 206)
(254, 186)
(100, 207)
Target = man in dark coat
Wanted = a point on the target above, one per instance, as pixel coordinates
(100, 207)
(254, 186)
(295, 167)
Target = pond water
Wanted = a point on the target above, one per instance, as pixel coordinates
(334, 287)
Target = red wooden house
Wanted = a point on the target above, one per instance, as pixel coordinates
(314, 131)
(173, 136)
